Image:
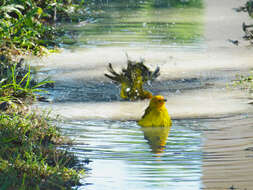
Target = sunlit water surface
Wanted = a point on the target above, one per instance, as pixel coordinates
(193, 154)
(147, 23)
(124, 159)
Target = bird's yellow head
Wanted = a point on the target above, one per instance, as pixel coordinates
(157, 101)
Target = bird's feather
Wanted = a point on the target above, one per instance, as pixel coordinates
(147, 111)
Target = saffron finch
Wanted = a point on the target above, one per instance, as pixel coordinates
(132, 80)
(156, 114)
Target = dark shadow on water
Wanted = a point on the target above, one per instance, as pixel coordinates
(87, 92)
(96, 91)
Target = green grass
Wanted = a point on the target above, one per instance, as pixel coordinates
(29, 158)
(29, 154)
(17, 85)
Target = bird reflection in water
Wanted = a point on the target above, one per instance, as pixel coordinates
(156, 137)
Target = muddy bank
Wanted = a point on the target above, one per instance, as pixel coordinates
(227, 158)
(228, 153)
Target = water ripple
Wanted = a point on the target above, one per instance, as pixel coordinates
(120, 151)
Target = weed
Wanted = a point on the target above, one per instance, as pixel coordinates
(26, 26)
(244, 82)
(17, 85)
(29, 157)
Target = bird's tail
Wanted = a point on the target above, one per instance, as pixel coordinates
(114, 75)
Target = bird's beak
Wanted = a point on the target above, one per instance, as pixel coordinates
(165, 100)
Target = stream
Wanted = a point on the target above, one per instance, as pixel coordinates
(210, 145)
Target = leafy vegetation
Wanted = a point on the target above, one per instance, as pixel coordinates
(29, 154)
(244, 82)
(17, 85)
(247, 7)
(27, 26)
(29, 157)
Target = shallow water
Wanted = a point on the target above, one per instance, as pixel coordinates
(227, 153)
(193, 154)
(210, 143)
(141, 23)
(123, 158)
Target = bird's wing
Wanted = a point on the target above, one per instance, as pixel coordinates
(147, 111)
(146, 73)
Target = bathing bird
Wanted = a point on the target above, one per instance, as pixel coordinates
(132, 79)
(156, 114)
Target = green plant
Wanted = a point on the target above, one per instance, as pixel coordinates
(20, 86)
(26, 26)
(29, 158)
(244, 82)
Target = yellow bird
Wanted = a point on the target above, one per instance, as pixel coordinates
(156, 114)
(132, 79)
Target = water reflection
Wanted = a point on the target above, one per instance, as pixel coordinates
(151, 3)
(156, 137)
(150, 23)
(123, 159)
